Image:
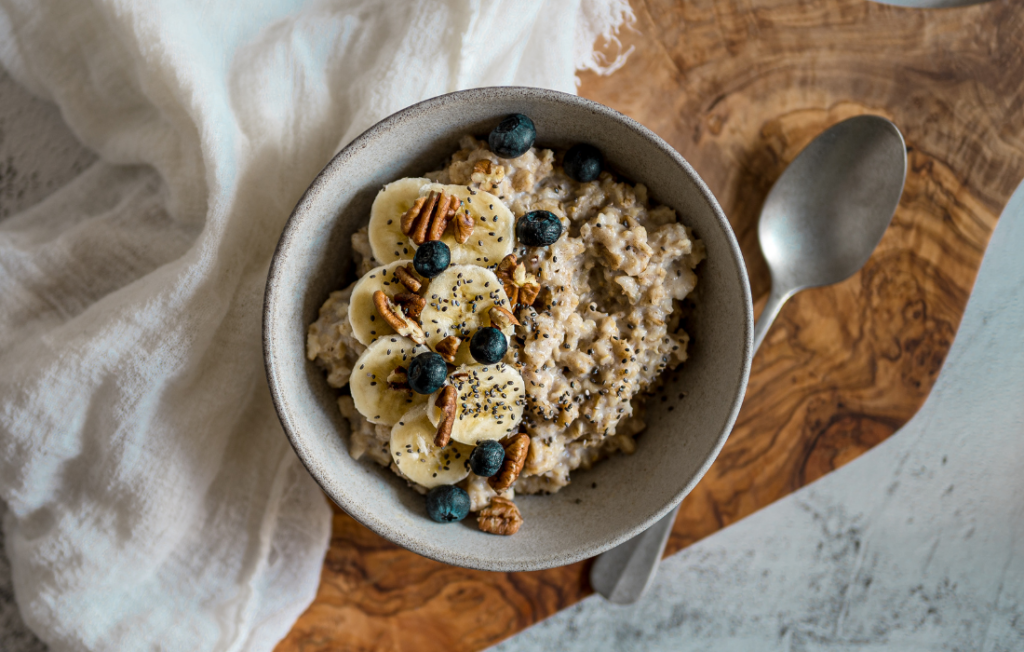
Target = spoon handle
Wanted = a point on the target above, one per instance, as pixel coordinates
(623, 573)
(771, 310)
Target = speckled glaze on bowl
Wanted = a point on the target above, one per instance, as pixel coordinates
(683, 437)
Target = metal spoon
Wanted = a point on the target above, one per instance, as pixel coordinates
(819, 225)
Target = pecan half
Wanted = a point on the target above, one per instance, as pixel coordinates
(412, 304)
(454, 204)
(528, 293)
(447, 207)
(446, 403)
(516, 448)
(506, 266)
(504, 273)
(428, 218)
(512, 292)
(502, 317)
(463, 226)
(520, 287)
(399, 379)
(448, 347)
(500, 517)
(396, 319)
(422, 224)
(409, 217)
(407, 276)
(487, 174)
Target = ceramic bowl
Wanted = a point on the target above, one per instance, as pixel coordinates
(602, 507)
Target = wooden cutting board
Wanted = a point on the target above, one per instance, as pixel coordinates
(739, 88)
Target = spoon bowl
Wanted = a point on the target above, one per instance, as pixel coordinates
(828, 210)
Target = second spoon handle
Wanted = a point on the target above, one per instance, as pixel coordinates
(623, 573)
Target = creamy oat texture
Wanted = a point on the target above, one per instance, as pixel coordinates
(606, 323)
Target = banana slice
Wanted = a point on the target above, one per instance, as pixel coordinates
(493, 227)
(489, 404)
(493, 223)
(367, 325)
(458, 303)
(413, 450)
(372, 395)
(387, 241)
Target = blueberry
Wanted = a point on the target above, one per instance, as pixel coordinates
(538, 228)
(487, 346)
(583, 162)
(427, 373)
(447, 503)
(513, 136)
(432, 258)
(486, 458)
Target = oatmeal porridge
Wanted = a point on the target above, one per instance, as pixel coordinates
(513, 310)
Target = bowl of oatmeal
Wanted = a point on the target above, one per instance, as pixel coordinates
(507, 328)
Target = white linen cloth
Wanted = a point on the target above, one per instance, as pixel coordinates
(154, 501)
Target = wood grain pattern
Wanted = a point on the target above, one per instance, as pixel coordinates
(739, 88)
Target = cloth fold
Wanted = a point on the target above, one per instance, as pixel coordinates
(154, 501)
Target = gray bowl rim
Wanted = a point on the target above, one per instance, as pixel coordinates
(293, 226)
